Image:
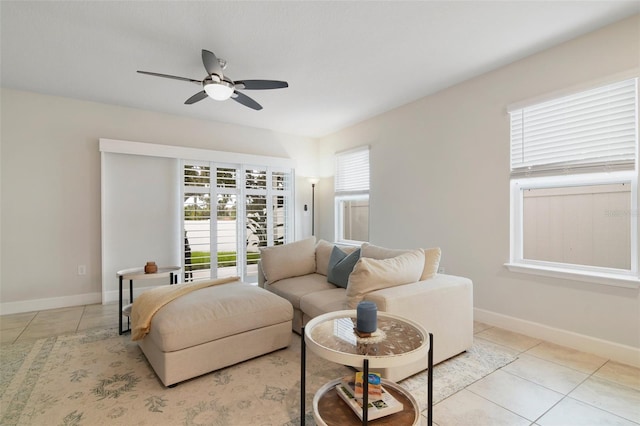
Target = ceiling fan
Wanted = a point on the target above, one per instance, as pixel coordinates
(220, 87)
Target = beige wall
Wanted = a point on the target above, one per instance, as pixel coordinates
(50, 174)
(440, 176)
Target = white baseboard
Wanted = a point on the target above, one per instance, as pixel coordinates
(604, 348)
(31, 305)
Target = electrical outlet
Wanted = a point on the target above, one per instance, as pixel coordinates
(82, 270)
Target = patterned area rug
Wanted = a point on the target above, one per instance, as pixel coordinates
(101, 378)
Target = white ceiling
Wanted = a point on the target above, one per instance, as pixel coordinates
(344, 61)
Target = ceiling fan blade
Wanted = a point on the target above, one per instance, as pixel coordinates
(261, 84)
(211, 63)
(170, 76)
(245, 100)
(196, 98)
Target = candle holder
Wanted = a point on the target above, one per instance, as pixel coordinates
(150, 268)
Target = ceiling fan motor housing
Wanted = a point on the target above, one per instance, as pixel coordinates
(217, 88)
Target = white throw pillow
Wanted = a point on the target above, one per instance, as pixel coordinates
(374, 274)
(288, 260)
(431, 257)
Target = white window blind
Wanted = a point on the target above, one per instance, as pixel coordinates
(352, 172)
(586, 130)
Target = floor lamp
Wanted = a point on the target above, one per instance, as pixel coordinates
(313, 181)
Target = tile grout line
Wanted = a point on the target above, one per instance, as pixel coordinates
(84, 310)
(611, 380)
(565, 366)
(496, 404)
(550, 408)
(25, 327)
(593, 375)
(564, 395)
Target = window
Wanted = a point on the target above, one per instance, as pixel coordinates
(574, 185)
(352, 196)
(227, 242)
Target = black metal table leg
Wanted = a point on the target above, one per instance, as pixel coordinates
(303, 368)
(430, 382)
(120, 305)
(130, 302)
(365, 393)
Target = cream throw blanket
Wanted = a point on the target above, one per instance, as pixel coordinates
(150, 301)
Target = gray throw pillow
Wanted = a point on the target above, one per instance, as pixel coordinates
(340, 266)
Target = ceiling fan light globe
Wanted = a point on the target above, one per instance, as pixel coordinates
(219, 91)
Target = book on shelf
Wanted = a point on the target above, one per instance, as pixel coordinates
(377, 408)
(375, 385)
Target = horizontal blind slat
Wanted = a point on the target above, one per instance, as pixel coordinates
(597, 127)
(352, 171)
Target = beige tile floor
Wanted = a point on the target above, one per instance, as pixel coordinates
(547, 385)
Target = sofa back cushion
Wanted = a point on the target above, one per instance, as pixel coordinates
(377, 252)
(340, 266)
(374, 274)
(431, 257)
(323, 253)
(288, 260)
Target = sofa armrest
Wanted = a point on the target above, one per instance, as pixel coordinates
(261, 278)
(443, 305)
(418, 294)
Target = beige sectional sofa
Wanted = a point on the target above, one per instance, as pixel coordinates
(401, 282)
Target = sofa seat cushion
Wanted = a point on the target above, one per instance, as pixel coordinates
(293, 289)
(321, 302)
(216, 312)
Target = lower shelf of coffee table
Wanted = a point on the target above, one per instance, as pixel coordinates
(330, 410)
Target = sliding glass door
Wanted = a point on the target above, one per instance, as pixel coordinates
(222, 237)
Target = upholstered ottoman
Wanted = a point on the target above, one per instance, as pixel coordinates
(215, 327)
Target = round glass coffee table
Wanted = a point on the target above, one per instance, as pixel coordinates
(398, 341)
